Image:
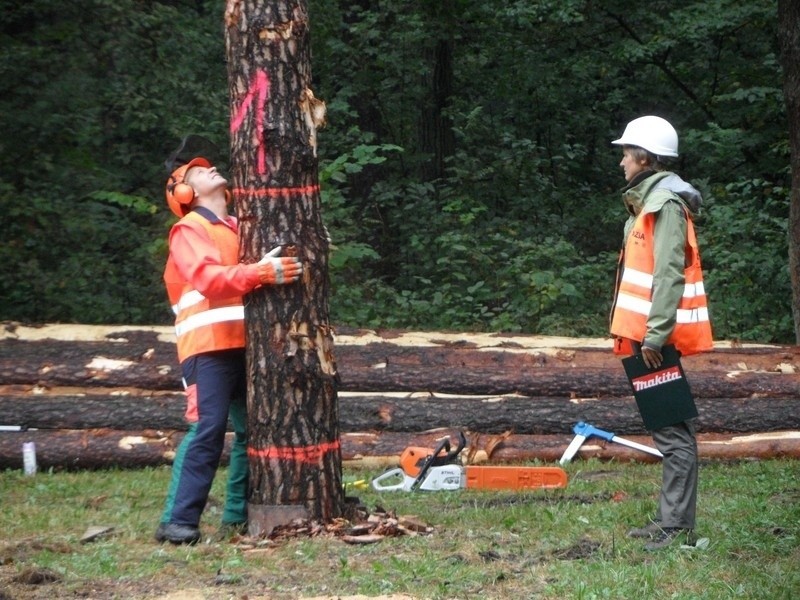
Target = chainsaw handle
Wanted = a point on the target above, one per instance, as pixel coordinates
(443, 445)
(431, 460)
(462, 441)
(434, 459)
(392, 473)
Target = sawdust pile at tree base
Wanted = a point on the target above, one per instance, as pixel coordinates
(200, 595)
(393, 597)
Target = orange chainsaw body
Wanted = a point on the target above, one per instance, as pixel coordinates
(412, 459)
(490, 477)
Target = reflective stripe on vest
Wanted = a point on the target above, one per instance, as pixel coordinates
(201, 324)
(632, 305)
(188, 300)
(209, 317)
(640, 305)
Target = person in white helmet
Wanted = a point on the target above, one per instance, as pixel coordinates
(659, 300)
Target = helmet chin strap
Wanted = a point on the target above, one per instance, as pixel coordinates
(217, 202)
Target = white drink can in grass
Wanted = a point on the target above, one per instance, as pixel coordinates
(29, 458)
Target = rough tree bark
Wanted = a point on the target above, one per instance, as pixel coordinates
(293, 429)
(789, 38)
(436, 136)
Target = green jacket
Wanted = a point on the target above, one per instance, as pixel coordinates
(666, 194)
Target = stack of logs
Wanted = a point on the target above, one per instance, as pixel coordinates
(93, 397)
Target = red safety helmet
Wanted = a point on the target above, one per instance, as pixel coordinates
(180, 194)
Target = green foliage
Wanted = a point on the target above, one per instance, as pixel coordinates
(522, 231)
(93, 261)
(137, 204)
(501, 211)
(735, 237)
(95, 95)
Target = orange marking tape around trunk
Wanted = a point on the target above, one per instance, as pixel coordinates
(273, 192)
(306, 454)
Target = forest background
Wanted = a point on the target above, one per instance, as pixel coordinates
(468, 180)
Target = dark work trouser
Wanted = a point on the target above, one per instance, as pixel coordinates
(677, 504)
(220, 379)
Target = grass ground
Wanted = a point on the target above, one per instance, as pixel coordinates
(549, 545)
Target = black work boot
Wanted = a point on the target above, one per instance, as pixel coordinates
(177, 534)
(666, 536)
(649, 531)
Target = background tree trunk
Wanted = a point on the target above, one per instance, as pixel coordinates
(789, 36)
(436, 136)
(293, 429)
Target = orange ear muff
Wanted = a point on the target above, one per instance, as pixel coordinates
(179, 194)
(183, 193)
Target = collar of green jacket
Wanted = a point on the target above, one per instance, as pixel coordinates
(650, 190)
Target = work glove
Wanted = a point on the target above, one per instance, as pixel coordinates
(278, 270)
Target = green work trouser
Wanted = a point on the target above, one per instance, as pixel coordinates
(235, 510)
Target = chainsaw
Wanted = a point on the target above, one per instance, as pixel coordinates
(441, 469)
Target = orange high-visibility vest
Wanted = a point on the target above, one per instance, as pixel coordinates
(202, 324)
(692, 332)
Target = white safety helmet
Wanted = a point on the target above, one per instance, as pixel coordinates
(654, 134)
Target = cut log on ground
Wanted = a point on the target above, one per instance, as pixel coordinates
(384, 449)
(436, 362)
(133, 409)
(106, 448)
(542, 415)
(91, 408)
(111, 394)
(547, 381)
(77, 449)
(156, 343)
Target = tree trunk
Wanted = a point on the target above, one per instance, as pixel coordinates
(293, 429)
(789, 38)
(436, 137)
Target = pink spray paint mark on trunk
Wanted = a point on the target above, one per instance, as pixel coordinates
(258, 92)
